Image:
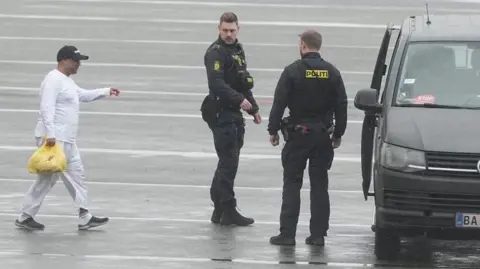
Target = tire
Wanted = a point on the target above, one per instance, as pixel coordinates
(387, 244)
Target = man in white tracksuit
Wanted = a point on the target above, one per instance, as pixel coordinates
(58, 123)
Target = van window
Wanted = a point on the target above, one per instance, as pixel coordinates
(440, 73)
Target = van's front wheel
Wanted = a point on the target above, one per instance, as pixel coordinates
(387, 244)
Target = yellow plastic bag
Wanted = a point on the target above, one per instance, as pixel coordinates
(47, 160)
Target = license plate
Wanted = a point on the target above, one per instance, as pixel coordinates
(466, 220)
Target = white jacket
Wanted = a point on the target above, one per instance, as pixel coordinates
(60, 97)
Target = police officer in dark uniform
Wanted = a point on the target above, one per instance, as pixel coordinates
(230, 87)
(314, 92)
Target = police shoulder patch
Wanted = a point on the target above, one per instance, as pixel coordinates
(216, 65)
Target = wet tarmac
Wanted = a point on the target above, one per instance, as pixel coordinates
(149, 157)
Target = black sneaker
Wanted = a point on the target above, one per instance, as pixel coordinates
(30, 224)
(282, 240)
(318, 241)
(94, 222)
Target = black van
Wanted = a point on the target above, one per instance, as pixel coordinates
(421, 135)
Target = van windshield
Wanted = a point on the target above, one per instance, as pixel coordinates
(440, 74)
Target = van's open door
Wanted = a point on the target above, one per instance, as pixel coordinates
(370, 119)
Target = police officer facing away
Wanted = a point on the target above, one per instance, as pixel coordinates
(313, 90)
(230, 87)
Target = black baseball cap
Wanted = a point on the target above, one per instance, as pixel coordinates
(70, 52)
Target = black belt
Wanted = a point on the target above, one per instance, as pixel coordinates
(309, 127)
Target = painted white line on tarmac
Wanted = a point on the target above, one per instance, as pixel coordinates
(185, 154)
(145, 219)
(186, 21)
(200, 94)
(116, 258)
(467, 1)
(171, 42)
(13, 195)
(280, 5)
(161, 115)
(164, 259)
(162, 185)
(158, 66)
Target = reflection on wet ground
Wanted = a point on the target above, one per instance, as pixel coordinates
(142, 237)
(355, 252)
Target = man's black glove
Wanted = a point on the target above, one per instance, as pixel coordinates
(336, 142)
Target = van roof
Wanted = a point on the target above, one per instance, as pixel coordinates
(442, 28)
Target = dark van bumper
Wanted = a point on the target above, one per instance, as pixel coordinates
(418, 204)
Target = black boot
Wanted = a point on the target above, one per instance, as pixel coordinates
(317, 241)
(282, 240)
(231, 216)
(217, 214)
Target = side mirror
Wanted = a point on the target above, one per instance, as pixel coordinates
(366, 100)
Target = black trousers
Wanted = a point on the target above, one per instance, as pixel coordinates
(317, 148)
(228, 135)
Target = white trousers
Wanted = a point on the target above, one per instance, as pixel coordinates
(73, 179)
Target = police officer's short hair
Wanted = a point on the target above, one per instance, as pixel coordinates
(312, 39)
(229, 17)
